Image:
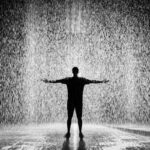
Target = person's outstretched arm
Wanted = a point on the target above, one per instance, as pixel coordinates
(54, 81)
(96, 81)
(103, 81)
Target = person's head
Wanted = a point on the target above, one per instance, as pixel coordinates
(75, 71)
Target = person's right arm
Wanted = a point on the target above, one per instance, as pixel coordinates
(54, 81)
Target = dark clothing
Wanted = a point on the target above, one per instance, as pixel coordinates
(77, 108)
(75, 86)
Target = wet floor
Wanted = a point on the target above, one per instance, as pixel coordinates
(51, 137)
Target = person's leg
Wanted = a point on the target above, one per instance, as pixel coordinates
(69, 124)
(79, 116)
(70, 109)
(80, 124)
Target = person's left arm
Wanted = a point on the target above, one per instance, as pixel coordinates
(97, 81)
(87, 81)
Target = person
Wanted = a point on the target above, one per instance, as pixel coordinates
(75, 86)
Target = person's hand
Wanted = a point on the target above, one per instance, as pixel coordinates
(105, 81)
(45, 80)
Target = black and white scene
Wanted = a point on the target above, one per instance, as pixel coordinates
(74, 75)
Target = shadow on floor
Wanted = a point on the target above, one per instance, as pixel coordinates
(81, 145)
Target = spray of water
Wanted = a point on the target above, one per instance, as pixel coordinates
(105, 41)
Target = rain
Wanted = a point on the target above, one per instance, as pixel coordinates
(45, 39)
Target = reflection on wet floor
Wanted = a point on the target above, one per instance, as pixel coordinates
(67, 146)
(82, 145)
(52, 138)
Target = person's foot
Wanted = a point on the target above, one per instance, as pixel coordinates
(81, 135)
(67, 135)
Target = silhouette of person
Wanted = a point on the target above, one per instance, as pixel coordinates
(75, 86)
